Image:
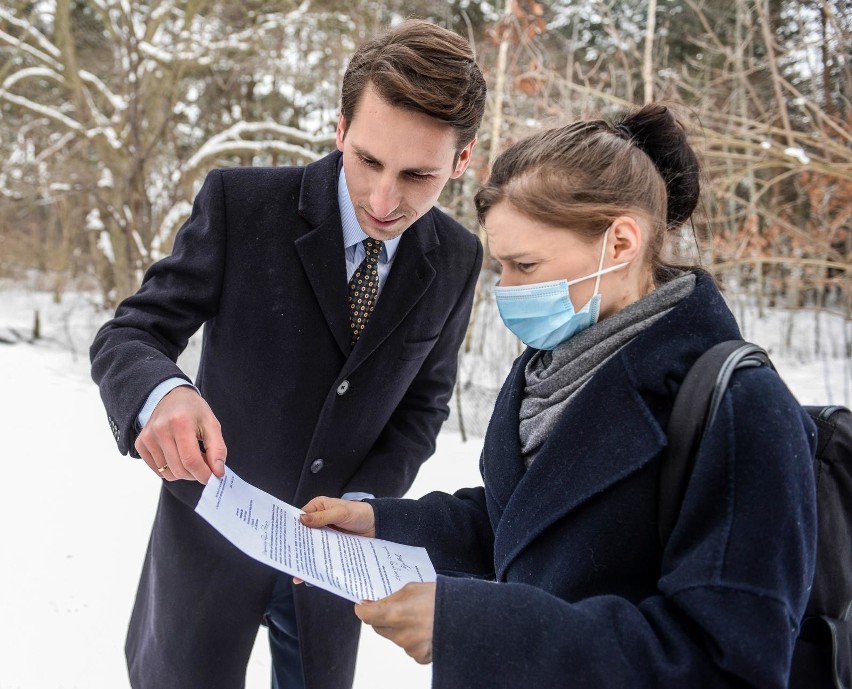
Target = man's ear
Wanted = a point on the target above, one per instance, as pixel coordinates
(626, 239)
(341, 132)
(462, 159)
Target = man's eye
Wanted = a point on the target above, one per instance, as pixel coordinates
(419, 177)
(369, 162)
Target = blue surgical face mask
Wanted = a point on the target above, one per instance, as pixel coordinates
(542, 314)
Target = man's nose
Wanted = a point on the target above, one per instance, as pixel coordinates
(385, 197)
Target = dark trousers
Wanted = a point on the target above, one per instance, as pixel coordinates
(280, 617)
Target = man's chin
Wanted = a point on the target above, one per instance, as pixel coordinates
(384, 235)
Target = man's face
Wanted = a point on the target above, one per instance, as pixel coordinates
(396, 162)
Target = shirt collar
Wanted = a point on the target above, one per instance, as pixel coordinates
(352, 232)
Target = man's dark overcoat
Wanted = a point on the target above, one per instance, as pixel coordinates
(261, 264)
(585, 598)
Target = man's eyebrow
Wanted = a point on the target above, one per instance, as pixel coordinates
(364, 154)
(414, 170)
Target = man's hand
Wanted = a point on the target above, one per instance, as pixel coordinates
(406, 617)
(344, 515)
(174, 434)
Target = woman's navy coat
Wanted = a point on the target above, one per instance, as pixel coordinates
(585, 597)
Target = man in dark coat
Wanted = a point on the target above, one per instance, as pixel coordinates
(334, 299)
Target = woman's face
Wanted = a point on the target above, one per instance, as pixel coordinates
(530, 251)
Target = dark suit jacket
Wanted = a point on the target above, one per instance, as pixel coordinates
(585, 597)
(261, 264)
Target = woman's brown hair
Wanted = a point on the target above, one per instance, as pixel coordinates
(584, 175)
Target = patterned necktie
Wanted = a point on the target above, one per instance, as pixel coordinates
(364, 288)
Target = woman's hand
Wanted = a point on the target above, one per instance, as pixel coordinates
(405, 617)
(344, 515)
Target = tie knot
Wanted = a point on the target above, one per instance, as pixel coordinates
(373, 247)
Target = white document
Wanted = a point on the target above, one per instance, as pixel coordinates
(269, 530)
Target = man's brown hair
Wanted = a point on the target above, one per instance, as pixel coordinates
(421, 67)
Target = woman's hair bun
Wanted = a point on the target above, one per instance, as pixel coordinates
(655, 130)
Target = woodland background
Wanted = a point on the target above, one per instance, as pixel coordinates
(112, 112)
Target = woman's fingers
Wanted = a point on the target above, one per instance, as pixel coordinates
(345, 515)
(406, 618)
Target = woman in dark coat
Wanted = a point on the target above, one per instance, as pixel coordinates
(552, 573)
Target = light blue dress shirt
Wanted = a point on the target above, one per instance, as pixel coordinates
(353, 238)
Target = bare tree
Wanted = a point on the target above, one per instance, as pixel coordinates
(127, 141)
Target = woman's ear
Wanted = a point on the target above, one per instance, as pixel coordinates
(626, 239)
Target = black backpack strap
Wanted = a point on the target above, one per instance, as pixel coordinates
(694, 409)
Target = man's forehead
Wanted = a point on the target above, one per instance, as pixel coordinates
(398, 136)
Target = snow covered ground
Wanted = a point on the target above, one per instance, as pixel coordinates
(75, 515)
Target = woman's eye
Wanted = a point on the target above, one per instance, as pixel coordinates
(525, 267)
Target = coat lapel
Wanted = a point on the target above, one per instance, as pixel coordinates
(579, 460)
(502, 465)
(321, 252)
(321, 249)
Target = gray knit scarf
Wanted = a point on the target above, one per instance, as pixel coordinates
(553, 378)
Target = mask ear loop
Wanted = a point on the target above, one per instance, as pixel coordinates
(601, 269)
(600, 265)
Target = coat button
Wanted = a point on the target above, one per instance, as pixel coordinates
(316, 466)
(343, 387)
